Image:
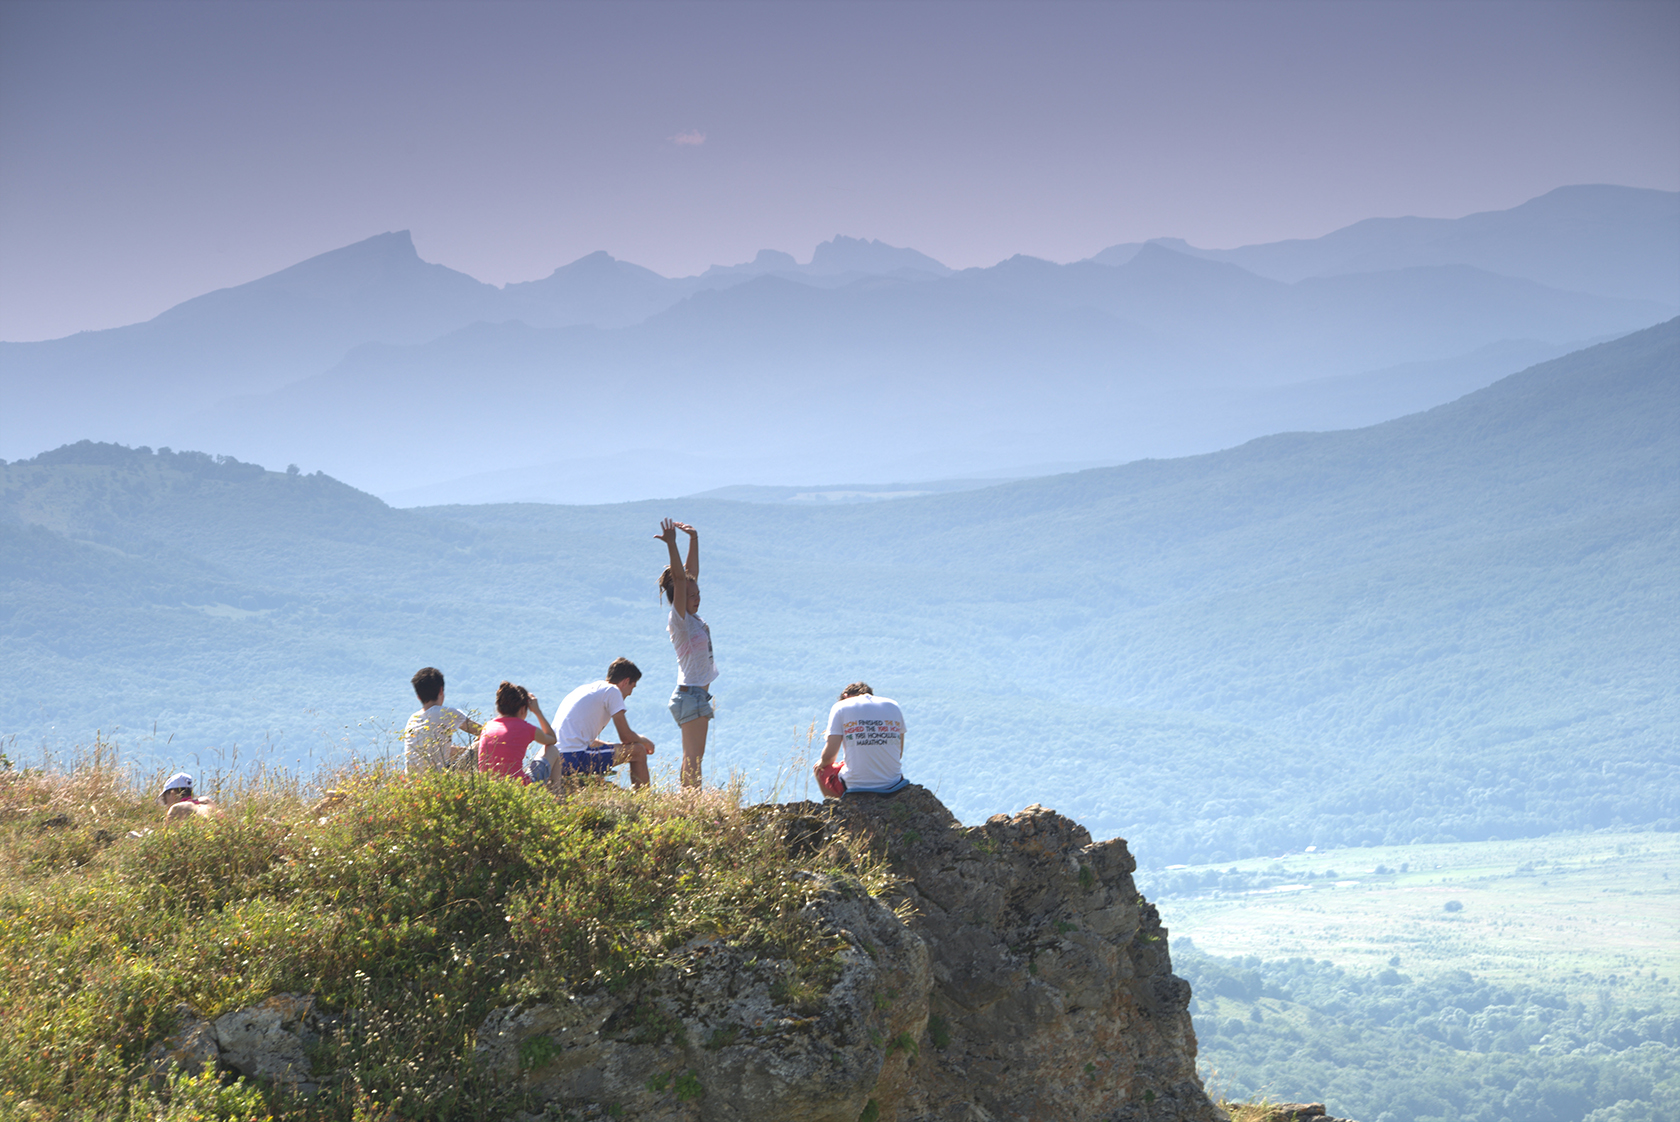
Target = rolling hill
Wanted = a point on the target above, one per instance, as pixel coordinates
(1457, 624)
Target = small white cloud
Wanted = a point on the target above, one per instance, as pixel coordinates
(693, 138)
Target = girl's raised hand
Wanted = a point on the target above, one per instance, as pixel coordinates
(667, 531)
(687, 529)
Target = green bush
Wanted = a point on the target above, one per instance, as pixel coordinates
(196, 869)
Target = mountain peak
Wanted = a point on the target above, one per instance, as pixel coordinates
(1117, 255)
(393, 245)
(767, 261)
(351, 267)
(590, 263)
(381, 278)
(838, 256)
(592, 272)
(857, 255)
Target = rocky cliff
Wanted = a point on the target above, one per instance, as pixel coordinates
(1018, 977)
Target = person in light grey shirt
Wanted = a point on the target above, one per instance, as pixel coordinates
(429, 739)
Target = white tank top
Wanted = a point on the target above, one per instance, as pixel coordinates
(693, 642)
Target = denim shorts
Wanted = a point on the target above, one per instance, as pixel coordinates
(689, 703)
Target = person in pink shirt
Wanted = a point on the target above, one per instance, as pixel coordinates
(502, 744)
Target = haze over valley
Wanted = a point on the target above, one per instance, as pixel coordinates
(1227, 605)
(1458, 623)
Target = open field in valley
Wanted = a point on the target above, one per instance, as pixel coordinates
(1581, 910)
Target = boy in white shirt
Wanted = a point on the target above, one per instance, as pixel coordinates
(429, 739)
(871, 729)
(579, 721)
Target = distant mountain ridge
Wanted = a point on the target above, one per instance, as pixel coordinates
(601, 291)
(1609, 241)
(253, 337)
(1169, 353)
(1163, 356)
(844, 257)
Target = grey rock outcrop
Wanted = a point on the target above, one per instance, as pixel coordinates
(1053, 991)
(707, 1038)
(267, 1040)
(191, 1048)
(1029, 983)
(1299, 1112)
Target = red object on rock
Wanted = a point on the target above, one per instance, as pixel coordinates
(828, 779)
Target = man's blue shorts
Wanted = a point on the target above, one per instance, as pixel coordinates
(589, 761)
(689, 703)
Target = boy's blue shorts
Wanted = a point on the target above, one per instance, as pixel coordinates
(589, 761)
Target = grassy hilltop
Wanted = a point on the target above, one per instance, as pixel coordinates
(413, 908)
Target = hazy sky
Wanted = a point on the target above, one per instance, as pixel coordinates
(151, 152)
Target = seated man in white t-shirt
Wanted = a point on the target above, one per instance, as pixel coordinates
(579, 721)
(429, 739)
(871, 730)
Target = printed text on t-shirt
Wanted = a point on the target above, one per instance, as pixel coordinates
(872, 732)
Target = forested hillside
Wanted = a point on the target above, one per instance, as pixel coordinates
(1394, 1048)
(1528, 978)
(1459, 624)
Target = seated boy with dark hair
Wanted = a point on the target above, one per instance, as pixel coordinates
(429, 739)
(579, 721)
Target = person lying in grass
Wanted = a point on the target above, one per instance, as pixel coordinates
(180, 805)
(581, 719)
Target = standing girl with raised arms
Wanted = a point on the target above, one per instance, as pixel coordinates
(691, 704)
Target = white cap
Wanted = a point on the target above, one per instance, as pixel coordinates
(179, 781)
